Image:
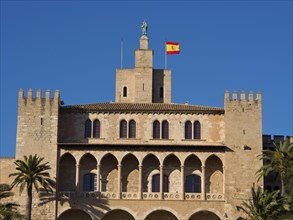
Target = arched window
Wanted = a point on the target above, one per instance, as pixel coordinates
(132, 129)
(156, 129)
(89, 182)
(161, 92)
(88, 129)
(188, 130)
(197, 133)
(96, 128)
(156, 183)
(165, 130)
(124, 91)
(123, 129)
(193, 184)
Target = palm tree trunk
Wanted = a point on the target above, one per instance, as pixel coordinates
(282, 187)
(29, 203)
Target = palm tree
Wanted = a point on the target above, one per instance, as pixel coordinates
(30, 173)
(277, 160)
(263, 205)
(8, 210)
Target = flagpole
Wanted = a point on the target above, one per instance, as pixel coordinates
(121, 54)
(165, 56)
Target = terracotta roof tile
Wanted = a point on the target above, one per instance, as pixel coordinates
(113, 107)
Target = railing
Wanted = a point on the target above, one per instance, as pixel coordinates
(172, 196)
(153, 196)
(130, 195)
(193, 196)
(214, 196)
(135, 195)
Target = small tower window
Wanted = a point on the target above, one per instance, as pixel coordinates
(88, 128)
(156, 129)
(96, 129)
(132, 129)
(197, 133)
(123, 129)
(165, 130)
(124, 91)
(161, 92)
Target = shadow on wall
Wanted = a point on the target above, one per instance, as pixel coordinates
(79, 201)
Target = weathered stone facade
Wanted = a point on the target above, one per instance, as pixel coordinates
(143, 157)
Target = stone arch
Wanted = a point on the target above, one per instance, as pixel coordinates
(172, 169)
(214, 175)
(109, 173)
(130, 173)
(193, 174)
(204, 215)
(162, 215)
(118, 214)
(150, 164)
(75, 214)
(87, 165)
(67, 167)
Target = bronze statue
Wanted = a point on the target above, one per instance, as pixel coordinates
(144, 28)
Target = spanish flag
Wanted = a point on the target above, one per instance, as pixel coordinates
(172, 48)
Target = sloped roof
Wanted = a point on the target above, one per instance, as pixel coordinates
(113, 107)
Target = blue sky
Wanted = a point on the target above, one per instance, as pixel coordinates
(74, 46)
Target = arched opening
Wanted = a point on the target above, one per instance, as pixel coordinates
(188, 130)
(156, 130)
(118, 215)
(123, 129)
(193, 172)
(67, 167)
(204, 215)
(130, 175)
(124, 91)
(165, 130)
(88, 170)
(161, 215)
(197, 130)
(150, 167)
(132, 129)
(214, 175)
(109, 173)
(88, 128)
(173, 171)
(75, 214)
(96, 129)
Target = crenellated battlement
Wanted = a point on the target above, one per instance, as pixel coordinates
(268, 140)
(235, 97)
(38, 99)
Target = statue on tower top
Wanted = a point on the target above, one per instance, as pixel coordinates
(144, 28)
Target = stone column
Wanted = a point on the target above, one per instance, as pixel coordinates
(77, 184)
(140, 182)
(182, 183)
(203, 181)
(161, 181)
(223, 181)
(98, 177)
(119, 181)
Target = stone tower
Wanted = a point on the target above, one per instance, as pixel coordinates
(143, 84)
(37, 128)
(243, 138)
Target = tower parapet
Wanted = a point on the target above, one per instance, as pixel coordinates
(37, 123)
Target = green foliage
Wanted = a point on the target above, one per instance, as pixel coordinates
(32, 173)
(278, 160)
(8, 210)
(263, 205)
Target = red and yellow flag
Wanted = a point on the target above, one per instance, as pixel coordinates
(172, 48)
